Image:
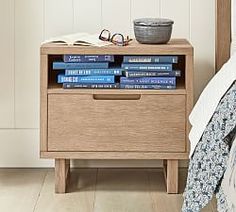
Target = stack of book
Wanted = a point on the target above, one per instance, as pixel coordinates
(149, 72)
(102, 71)
(87, 71)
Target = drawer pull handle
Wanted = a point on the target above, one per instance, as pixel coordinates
(116, 96)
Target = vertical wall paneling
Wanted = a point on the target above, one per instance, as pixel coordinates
(87, 16)
(28, 36)
(7, 64)
(20, 148)
(180, 13)
(116, 16)
(203, 40)
(59, 17)
(144, 9)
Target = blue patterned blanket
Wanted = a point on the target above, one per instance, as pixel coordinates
(227, 193)
(209, 161)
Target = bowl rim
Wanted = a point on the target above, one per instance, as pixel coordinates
(153, 22)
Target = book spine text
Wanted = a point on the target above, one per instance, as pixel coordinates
(83, 72)
(88, 58)
(79, 85)
(73, 66)
(176, 73)
(149, 80)
(155, 87)
(85, 79)
(147, 67)
(150, 59)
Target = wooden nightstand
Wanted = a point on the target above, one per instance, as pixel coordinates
(116, 124)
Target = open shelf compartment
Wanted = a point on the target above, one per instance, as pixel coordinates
(54, 87)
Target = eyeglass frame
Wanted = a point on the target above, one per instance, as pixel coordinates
(111, 38)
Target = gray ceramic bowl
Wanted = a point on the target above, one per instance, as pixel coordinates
(153, 30)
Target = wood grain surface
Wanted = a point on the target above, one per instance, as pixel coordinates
(82, 123)
(223, 32)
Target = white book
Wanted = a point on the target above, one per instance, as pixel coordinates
(82, 39)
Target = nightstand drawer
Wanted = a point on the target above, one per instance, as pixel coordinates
(87, 122)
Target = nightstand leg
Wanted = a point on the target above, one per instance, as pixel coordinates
(62, 171)
(171, 175)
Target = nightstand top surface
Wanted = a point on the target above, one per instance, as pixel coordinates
(175, 46)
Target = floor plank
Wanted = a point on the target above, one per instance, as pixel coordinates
(20, 189)
(122, 190)
(79, 199)
(91, 190)
(161, 200)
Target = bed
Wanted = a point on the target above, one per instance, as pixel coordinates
(212, 167)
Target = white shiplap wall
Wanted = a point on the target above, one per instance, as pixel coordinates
(7, 64)
(25, 23)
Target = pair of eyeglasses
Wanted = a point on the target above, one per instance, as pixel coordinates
(117, 38)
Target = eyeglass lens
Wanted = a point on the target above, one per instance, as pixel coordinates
(105, 35)
(118, 38)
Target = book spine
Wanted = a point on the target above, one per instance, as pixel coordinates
(150, 59)
(83, 72)
(147, 67)
(87, 58)
(149, 80)
(176, 73)
(154, 87)
(99, 86)
(73, 66)
(86, 79)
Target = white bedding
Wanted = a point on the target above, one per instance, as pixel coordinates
(209, 99)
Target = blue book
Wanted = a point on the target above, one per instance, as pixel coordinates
(83, 72)
(154, 87)
(62, 65)
(176, 73)
(69, 58)
(89, 86)
(147, 67)
(86, 79)
(148, 80)
(150, 59)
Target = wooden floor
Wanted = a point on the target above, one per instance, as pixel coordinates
(91, 190)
